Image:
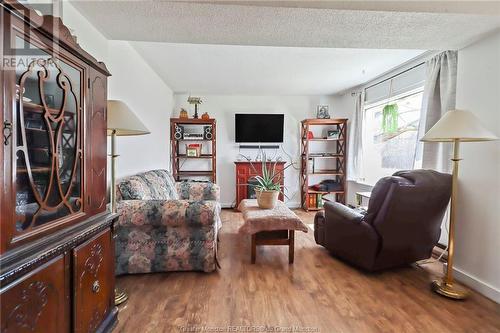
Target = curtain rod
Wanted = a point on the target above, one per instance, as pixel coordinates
(395, 75)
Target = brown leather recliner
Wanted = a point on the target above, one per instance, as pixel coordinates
(401, 226)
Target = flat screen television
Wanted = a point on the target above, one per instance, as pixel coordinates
(259, 127)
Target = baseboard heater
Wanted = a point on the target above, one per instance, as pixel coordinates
(259, 146)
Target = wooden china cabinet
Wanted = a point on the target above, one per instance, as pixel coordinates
(56, 251)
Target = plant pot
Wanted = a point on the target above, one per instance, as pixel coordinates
(267, 199)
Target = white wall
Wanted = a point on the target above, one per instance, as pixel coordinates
(134, 82)
(223, 108)
(89, 38)
(478, 221)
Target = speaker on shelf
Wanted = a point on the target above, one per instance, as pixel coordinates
(207, 132)
(179, 132)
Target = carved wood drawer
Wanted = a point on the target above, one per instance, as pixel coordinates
(37, 302)
(93, 265)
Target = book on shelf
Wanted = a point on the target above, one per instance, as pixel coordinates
(316, 200)
(319, 199)
(311, 200)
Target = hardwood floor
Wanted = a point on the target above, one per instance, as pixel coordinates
(318, 293)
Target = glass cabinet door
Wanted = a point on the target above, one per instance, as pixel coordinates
(47, 150)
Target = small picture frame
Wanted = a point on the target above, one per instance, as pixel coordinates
(191, 152)
(322, 112)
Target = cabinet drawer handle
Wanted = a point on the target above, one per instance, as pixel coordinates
(7, 132)
(96, 286)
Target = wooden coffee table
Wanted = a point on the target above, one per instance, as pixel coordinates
(270, 226)
(275, 237)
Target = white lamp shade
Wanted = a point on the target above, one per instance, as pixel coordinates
(458, 125)
(123, 121)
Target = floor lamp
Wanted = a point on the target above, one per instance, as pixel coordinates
(455, 126)
(121, 122)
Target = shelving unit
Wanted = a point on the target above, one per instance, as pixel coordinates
(179, 158)
(335, 155)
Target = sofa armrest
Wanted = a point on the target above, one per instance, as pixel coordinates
(198, 190)
(173, 213)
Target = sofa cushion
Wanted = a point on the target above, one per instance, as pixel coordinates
(194, 190)
(150, 185)
(172, 213)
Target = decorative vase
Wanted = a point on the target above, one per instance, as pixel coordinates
(205, 116)
(267, 199)
(183, 114)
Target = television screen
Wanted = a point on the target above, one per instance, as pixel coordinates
(259, 127)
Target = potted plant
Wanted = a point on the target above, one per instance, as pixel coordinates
(390, 116)
(269, 184)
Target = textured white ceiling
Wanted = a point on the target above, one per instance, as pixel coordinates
(488, 7)
(258, 70)
(285, 47)
(209, 23)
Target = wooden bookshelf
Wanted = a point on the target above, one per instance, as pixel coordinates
(334, 152)
(179, 158)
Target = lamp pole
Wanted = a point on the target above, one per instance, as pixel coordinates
(121, 121)
(446, 286)
(453, 211)
(113, 171)
(120, 295)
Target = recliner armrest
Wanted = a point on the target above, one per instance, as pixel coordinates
(341, 213)
(348, 235)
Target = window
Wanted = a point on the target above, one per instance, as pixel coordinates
(388, 149)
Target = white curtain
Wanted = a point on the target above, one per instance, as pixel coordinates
(355, 152)
(439, 97)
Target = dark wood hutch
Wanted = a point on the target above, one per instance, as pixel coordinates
(57, 250)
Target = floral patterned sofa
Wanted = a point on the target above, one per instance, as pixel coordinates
(166, 225)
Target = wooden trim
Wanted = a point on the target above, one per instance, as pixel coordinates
(6, 96)
(192, 121)
(335, 121)
(195, 173)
